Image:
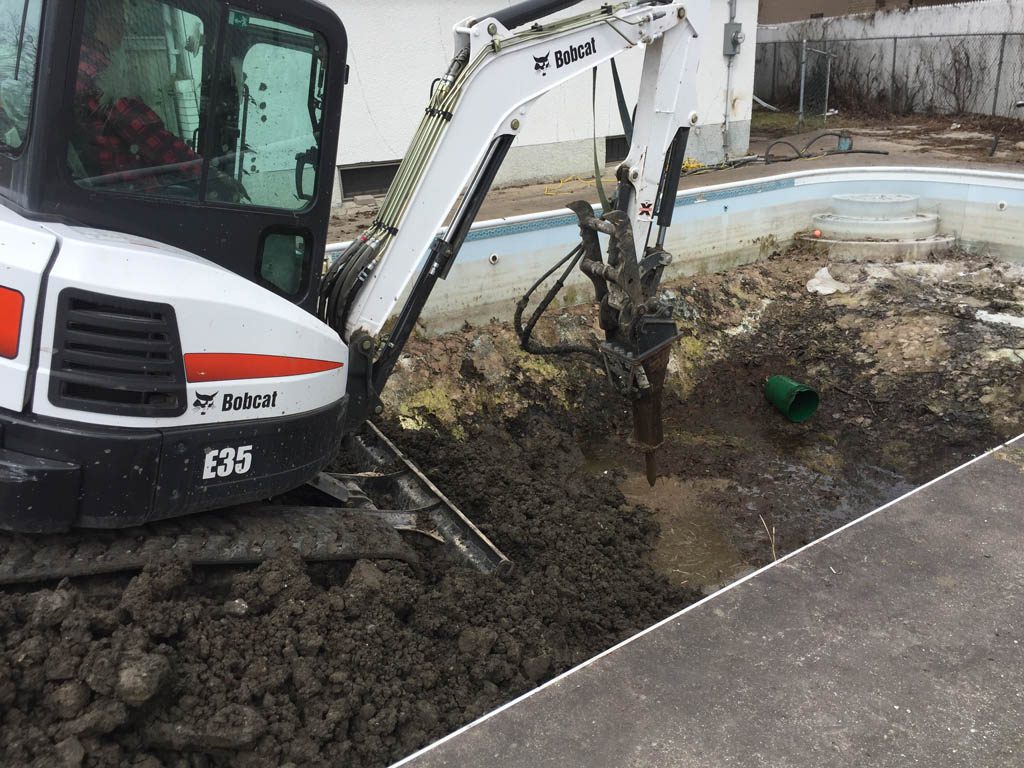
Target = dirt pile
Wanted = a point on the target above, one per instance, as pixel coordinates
(335, 664)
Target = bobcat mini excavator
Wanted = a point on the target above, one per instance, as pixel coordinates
(170, 342)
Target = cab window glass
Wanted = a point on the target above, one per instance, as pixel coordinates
(283, 261)
(277, 75)
(138, 96)
(168, 103)
(19, 40)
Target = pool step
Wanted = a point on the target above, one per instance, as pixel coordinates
(915, 227)
(879, 205)
(886, 226)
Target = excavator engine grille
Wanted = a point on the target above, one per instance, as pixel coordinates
(115, 355)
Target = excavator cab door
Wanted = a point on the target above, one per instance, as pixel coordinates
(210, 125)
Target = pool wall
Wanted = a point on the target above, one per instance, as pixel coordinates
(721, 226)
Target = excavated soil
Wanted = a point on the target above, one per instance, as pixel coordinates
(918, 367)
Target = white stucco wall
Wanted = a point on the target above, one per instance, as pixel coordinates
(397, 48)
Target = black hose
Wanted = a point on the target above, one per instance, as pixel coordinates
(768, 152)
(339, 264)
(577, 254)
(820, 136)
(332, 280)
(357, 275)
(527, 11)
(801, 154)
(525, 334)
(337, 291)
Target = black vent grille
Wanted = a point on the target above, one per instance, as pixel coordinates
(119, 356)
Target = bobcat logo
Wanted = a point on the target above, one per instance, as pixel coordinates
(204, 403)
(542, 63)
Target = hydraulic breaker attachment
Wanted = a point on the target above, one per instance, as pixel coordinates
(639, 374)
(638, 328)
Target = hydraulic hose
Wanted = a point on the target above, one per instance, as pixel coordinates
(525, 334)
(803, 154)
(529, 10)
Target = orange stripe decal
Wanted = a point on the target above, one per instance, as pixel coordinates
(11, 305)
(231, 366)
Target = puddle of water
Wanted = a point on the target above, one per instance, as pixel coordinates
(869, 488)
(874, 487)
(692, 548)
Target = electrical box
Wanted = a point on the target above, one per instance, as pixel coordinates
(734, 38)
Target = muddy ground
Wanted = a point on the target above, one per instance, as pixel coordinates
(918, 367)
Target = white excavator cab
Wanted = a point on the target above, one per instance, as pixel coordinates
(165, 174)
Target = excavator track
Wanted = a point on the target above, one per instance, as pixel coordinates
(242, 537)
(335, 517)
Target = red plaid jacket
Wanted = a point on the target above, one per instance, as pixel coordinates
(125, 135)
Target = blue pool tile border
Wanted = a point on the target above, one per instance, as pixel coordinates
(684, 199)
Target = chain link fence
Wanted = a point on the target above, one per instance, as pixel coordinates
(938, 74)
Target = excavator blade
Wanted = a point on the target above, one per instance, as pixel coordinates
(647, 421)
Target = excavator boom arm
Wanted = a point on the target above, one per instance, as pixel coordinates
(477, 107)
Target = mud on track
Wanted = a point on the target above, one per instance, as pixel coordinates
(359, 664)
